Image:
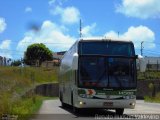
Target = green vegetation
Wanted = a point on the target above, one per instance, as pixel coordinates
(37, 53)
(16, 81)
(16, 63)
(148, 75)
(21, 108)
(27, 107)
(153, 99)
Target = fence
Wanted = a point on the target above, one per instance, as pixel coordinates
(152, 64)
(144, 89)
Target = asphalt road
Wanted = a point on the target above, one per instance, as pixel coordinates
(52, 110)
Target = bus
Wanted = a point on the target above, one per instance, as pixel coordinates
(99, 73)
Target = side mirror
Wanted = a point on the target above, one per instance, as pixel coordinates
(142, 63)
(136, 56)
(75, 62)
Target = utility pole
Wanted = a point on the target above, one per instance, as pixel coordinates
(80, 29)
(118, 34)
(142, 48)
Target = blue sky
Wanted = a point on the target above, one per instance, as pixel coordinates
(57, 23)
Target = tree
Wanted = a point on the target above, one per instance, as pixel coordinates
(16, 63)
(36, 54)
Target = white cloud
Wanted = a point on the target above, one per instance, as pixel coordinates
(5, 48)
(137, 35)
(28, 9)
(51, 2)
(88, 30)
(5, 44)
(50, 34)
(56, 2)
(69, 15)
(57, 10)
(140, 8)
(3, 25)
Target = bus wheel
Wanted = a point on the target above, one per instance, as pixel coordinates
(63, 105)
(76, 110)
(60, 96)
(119, 111)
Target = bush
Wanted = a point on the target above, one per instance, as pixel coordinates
(15, 82)
(16, 63)
(153, 99)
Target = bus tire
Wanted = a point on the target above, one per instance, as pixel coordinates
(72, 98)
(119, 111)
(62, 103)
(76, 110)
(60, 96)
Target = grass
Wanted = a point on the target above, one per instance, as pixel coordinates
(155, 99)
(26, 108)
(16, 78)
(148, 75)
(15, 81)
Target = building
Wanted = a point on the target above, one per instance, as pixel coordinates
(151, 63)
(5, 61)
(57, 56)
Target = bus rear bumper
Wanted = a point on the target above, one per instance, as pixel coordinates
(106, 104)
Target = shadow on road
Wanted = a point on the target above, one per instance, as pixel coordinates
(94, 113)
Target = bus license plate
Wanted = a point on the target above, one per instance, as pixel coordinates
(108, 104)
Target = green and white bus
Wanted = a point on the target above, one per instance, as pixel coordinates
(99, 73)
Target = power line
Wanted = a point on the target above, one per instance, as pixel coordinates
(152, 42)
(42, 42)
(152, 51)
(9, 50)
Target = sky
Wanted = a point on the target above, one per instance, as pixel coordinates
(56, 23)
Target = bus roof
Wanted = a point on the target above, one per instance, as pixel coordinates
(104, 39)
